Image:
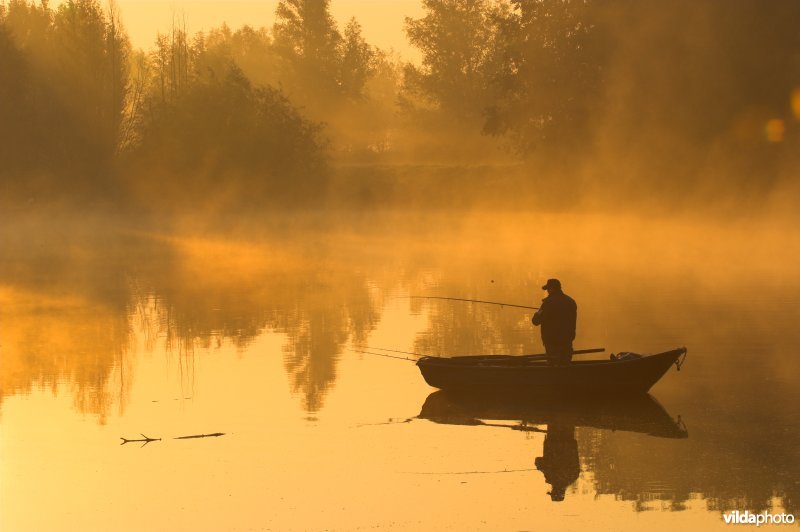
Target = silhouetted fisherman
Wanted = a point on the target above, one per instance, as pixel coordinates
(560, 463)
(557, 316)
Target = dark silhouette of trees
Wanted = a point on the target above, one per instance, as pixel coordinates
(307, 42)
(546, 72)
(687, 85)
(77, 103)
(358, 61)
(325, 76)
(328, 74)
(92, 70)
(224, 125)
(701, 98)
(525, 69)
(171, 63)
(681, 85)
(67, 83)
(206, 128)
(19, 117)
(456, 38)
(251, 49)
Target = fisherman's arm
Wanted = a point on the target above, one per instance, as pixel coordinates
(539, 314)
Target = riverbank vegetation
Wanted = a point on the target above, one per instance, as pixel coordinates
(575, 98)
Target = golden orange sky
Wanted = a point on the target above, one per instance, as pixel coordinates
(382, 20)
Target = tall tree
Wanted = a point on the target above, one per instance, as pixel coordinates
(358, 60)
(29, 25)
(307, 39)
(547, 73)
(172, 61)
(456, 40)
(19, 116)
(75, 65)
(118, 64)
(251, 49)
(92, 50)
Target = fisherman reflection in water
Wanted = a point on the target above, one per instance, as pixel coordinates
(560, 463)
(557, 317)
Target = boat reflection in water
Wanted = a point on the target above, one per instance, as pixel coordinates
(560, 461)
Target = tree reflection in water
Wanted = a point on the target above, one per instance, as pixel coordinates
(75, 306)
(79, 297)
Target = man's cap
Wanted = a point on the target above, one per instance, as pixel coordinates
(552, 283)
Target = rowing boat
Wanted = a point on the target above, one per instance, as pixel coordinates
(630, 374)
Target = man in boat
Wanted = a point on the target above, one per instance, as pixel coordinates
(557, 317)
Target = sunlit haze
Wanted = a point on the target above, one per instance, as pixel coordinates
(382, 20)
(455, 265)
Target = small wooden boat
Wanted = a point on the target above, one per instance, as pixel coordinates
(629, 374)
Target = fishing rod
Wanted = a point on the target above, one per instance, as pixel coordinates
(402, 352)
(382, 355)
(473, 301)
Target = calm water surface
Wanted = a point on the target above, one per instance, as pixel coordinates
(107, 332)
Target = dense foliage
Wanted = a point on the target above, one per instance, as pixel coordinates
(683, 86)
(63, 90)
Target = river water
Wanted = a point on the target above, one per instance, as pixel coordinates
(258, 331)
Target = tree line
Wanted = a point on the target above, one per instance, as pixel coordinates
(256, 112)
(63, 90)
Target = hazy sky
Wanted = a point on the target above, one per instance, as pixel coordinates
(382, 20)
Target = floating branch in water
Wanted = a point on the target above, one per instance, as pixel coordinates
(212, 435)
(145, 439)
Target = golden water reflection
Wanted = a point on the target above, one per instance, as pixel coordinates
(560, 460)
(255, 335)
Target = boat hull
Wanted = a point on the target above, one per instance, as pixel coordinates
(512, 375)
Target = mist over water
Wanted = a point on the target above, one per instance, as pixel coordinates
(109, 332)
(212, 237)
